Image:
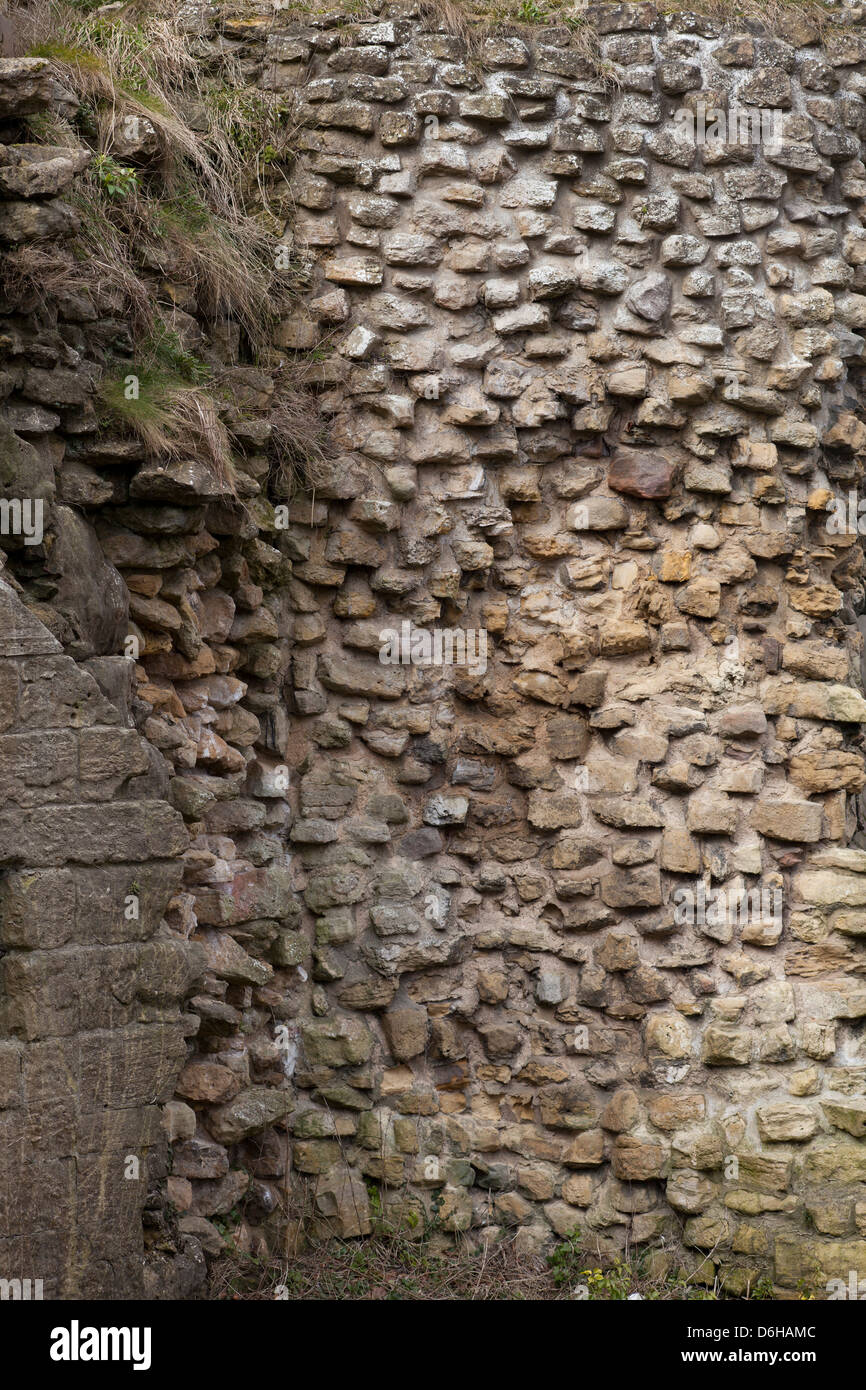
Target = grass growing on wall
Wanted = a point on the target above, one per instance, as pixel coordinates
(174, 207)
(172, 408)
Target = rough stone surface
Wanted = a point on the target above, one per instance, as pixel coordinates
(494, 818)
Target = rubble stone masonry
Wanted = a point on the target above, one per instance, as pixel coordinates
(567, 937)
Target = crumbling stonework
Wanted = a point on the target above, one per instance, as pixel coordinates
(476, 933)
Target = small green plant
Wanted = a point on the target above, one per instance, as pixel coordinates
(612, 1284)
(763, 1289)
(165, 348)
(567, 1260)
(115, 179)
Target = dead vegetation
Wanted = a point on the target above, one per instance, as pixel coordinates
(434, 1267)
(299, 440)
(386, 1268)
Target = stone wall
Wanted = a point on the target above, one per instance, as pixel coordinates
(89, 987)
(464, 933)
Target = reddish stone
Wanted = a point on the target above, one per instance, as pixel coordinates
(640, 474)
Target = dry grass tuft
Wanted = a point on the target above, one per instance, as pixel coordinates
(299, 434)
(172, 420)
(136, 63)
(193, 206)
(192, 211)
